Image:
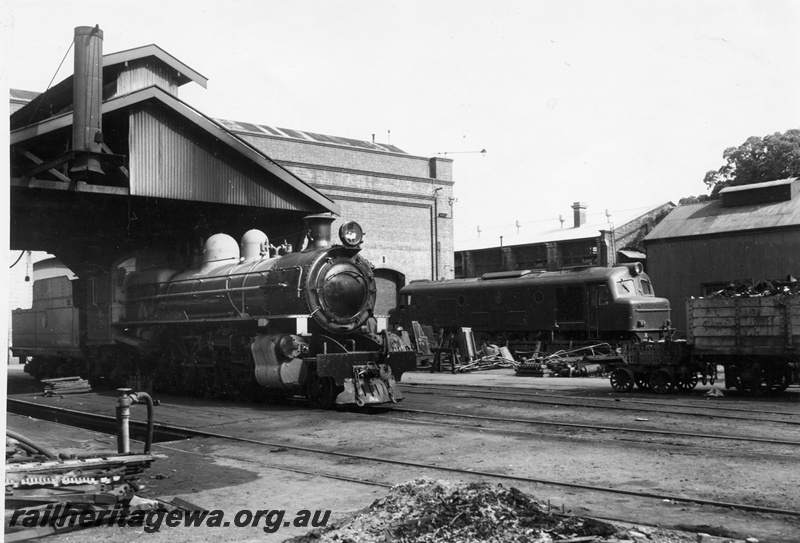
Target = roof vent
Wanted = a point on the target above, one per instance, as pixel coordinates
(769, 192)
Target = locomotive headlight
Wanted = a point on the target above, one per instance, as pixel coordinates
(351, 234)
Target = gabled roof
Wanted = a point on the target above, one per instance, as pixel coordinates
(199, 120)
(185, 74)
(529, 234)
(58, 98)
(711, 218)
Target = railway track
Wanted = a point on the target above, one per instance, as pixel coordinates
(604, 403)
(619, 429)
(96, 421)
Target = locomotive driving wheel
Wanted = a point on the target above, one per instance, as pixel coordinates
(643, 381)
(661, 382)
(622, 380)
(321, 391)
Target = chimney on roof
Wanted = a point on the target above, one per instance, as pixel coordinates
(87, 100)
(579, 213)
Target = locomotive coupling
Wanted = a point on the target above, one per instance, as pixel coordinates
(371, 384)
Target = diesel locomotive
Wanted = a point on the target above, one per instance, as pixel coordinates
(244, 321)
(529, 307)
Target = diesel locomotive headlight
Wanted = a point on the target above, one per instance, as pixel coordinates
(351, 234)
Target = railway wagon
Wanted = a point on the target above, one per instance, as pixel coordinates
(537, 310)
(243, 320)
(756, 339)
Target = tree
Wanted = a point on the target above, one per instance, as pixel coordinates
(758, 160)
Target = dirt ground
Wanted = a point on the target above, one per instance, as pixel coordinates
(234, 477)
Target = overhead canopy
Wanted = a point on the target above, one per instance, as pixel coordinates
(170, 174)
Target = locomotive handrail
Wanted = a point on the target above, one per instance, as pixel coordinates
(193, 293)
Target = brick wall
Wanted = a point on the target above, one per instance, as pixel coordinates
(393, 196)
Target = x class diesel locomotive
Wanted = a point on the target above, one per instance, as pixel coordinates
(241, 322)
(528, 307)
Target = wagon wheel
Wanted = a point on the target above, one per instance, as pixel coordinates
(321, 392)
(622, 380)
(781, 378)
(751, 379)
(687, 379)
(661, 382)
(643, 381)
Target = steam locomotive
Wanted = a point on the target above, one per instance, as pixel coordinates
(246, 320)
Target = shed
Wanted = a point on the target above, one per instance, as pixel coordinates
(751, 233)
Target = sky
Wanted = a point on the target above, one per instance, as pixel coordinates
(619, 104)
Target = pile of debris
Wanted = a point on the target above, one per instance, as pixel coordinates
(582, 362)
(427, 510)
(49, 493)
(749, 289)
(66, 385)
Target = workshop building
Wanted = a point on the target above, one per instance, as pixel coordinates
(750, 233)
(606, 240)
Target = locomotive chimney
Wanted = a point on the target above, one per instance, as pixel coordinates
(319, 230)
(87, 99)
(579, 213)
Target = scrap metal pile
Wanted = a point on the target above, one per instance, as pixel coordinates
(47, 493)
(426, 510)
(749, 289)
(581, 362)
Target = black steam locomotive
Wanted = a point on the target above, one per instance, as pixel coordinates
(245, 320)
(528, 307)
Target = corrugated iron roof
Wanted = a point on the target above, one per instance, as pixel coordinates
(529, 234)
(263, 130)
(200, 121)
(58, 98)
(710, 218)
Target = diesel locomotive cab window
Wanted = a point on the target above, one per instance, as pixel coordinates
(626, 287)
(569, 302)
(647, 288)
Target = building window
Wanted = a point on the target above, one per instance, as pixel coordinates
(531, 257)
(459, 269)
(579, 253)
(488, 260)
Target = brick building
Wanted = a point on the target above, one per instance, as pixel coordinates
(607, 241)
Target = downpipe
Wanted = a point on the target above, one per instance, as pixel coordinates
(126, 399)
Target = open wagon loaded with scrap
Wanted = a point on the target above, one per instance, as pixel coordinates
(751, 330)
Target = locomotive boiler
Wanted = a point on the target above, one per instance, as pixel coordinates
(243, 320)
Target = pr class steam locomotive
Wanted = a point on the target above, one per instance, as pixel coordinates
(239, 324)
